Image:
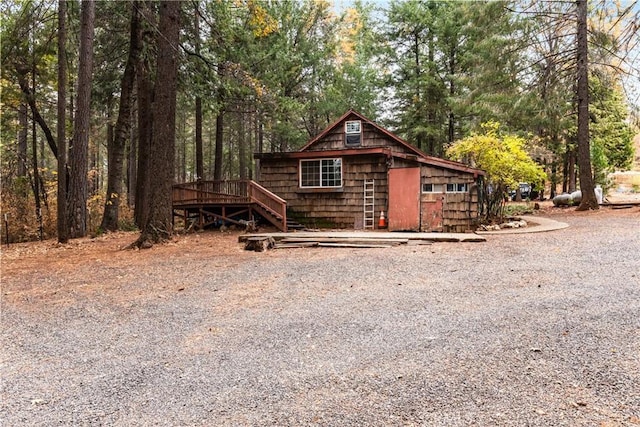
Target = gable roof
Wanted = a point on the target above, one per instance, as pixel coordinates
(421, 156)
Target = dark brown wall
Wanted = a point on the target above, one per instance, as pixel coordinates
(344, 206)
(371, 138)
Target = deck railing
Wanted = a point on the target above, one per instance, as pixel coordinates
(230, 192)
(269, 201)
(200, 192)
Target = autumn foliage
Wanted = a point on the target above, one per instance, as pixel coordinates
(503, 158)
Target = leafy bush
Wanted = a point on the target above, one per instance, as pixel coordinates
(517, 210)
(505, 162)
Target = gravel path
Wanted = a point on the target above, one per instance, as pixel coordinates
(523, 330)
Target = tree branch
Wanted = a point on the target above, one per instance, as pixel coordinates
(24, 86)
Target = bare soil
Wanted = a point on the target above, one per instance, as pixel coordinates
(538, 329)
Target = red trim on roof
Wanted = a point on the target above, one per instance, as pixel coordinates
(332, 126)
(436, 161)
(324, 153)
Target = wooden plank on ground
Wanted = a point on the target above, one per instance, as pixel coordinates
(352, 245)
(315, 236)
(419, 242)
(356, 240)
(295, 245)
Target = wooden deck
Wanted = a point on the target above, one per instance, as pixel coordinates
(203, 203)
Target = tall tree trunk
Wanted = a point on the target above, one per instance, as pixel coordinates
(571, 170)
(61, 131)
(242, 144)
(418, 93)
(78, 184)
(554, 179)
(431, 114)
(199, 150)
(132, 164)
(22, 140)
(35, 185)
(589, 200)
(182, 167)
(259, 129)
(217, 166)
(95, 170)
(452, 93)
(145, 119)
(37, 182)
(159, 223)
(116, 147)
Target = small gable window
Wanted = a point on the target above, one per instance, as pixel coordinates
(353, 132)
(321, 173)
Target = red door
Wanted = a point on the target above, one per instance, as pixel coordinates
(432, 214)
(404, 199)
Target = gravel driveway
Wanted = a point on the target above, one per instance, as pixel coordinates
(523, 330)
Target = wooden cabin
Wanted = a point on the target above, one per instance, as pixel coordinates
(355, 170)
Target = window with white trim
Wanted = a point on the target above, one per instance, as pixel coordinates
(432, 188)
(321, 173)
(457, 188)
(353, 132)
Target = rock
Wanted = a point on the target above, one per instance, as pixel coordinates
(576, 196)
(514, 224)
(563, 200)
(494, 227)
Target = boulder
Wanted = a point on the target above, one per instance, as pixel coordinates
(563, 200)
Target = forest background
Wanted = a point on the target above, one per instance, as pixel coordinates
(88, 88)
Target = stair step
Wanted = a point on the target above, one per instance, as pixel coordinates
(293, 225)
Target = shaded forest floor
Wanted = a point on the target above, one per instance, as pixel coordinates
(50, 272)
(107, 251)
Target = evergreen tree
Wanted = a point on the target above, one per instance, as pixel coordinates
(158, 224)
(80, 145)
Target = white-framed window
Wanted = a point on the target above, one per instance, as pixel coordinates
(457, 188)
(352, 132)
(449, 188)
(321, 173)
(353, 127)
(432, 188)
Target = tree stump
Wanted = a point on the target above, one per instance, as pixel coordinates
(259, 244)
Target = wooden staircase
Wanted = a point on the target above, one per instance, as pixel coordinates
(270, 206)
(222, 200)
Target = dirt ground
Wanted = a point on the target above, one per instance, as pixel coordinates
(539, 329)
(109, 249)
(107, 255)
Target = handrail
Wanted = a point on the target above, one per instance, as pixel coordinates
(234, 191)
(198, 192)
(269, 201)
